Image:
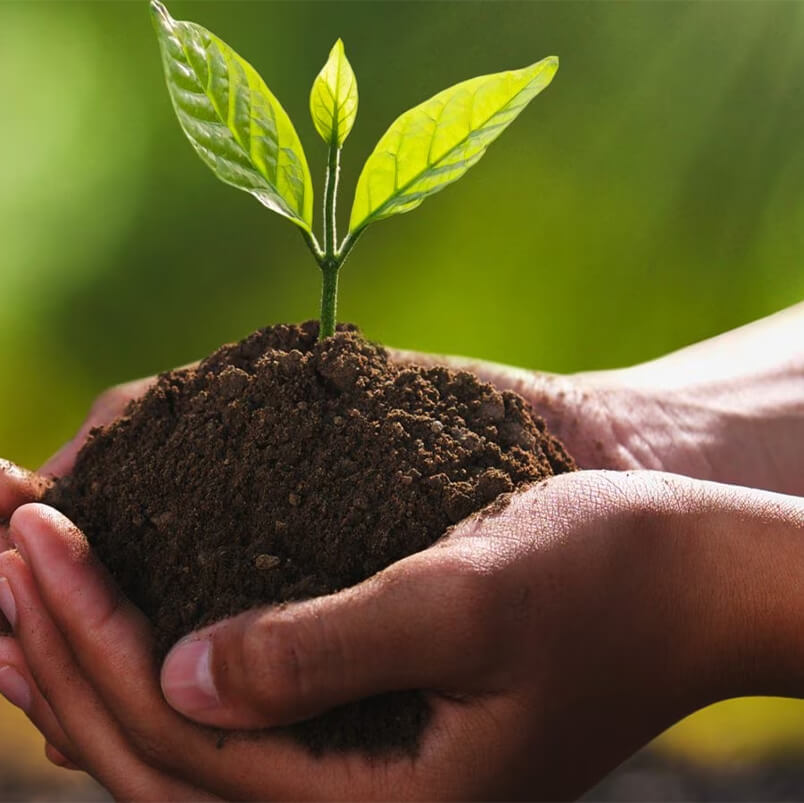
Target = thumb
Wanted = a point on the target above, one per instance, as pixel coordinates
(405, 628)
(18, 487)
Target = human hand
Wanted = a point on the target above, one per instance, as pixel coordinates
(607, 419)
(728, 409)
(558, 635)
(19, 486)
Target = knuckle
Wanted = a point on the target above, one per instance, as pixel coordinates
(271, 665)
(470, 584)
(55, 754)
(250, 667)
(98, 612)
(150, 744)
(283, 659)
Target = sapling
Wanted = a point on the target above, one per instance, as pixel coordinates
(240, 130)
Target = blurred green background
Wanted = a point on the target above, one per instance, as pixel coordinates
(651, 197)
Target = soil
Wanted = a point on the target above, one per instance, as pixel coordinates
(282, 468)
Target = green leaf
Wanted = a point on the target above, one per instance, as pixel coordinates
(232, 119)
(333, 99)
(430, 146)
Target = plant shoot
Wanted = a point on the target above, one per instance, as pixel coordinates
(240, 130)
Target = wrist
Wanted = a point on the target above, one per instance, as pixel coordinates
(733, 590)
(636, 635)
(753, 566)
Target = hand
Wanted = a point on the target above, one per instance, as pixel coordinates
(729, 409)
(652, 415)
(559, 636)
(19, 486)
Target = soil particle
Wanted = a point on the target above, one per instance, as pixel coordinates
(282, 468)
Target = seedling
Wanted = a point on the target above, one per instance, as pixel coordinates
(240, 130)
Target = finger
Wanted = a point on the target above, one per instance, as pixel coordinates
(17, 487)
(108, 406)
(58, 758)
(279, 665)
(100, 745)
(19, 688)
(104, 633)
(112, 645)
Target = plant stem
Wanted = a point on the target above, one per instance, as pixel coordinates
(331, 258)
(329, 298)
(330, 264)
(330, 200)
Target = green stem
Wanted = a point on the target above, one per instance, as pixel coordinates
(330, 264)
(329, 298)
(330, 200)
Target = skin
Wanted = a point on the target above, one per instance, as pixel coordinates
(561, 634)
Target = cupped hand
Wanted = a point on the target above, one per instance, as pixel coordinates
(18, 486)
(552, 639)
(729, 409)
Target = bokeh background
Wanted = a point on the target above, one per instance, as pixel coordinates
(651, 197)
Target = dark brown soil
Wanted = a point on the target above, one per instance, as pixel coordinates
(283, 468)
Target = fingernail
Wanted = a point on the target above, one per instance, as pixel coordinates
(14, 688)
(7, 604)
(187, 680)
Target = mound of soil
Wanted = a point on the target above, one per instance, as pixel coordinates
(283, 468)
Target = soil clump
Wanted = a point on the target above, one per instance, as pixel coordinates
(282, 468)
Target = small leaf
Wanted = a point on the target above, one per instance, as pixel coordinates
(430, 146)
(236, 125)
(333, 99)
